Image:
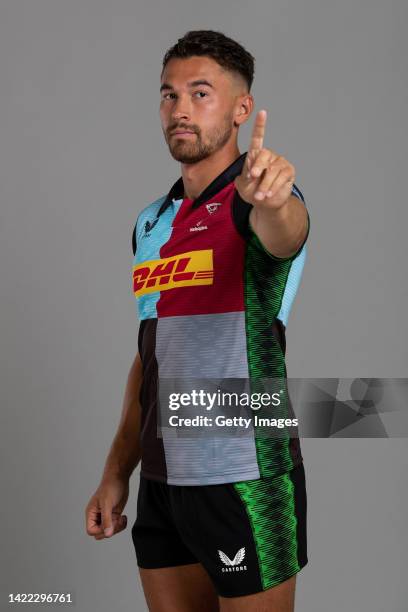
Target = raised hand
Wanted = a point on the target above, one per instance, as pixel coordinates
(267, 178)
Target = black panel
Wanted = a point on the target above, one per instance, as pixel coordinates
(278, 330)
(153, 458)
(134, 241)
(240, 215)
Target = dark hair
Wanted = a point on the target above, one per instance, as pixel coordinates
(226, 52)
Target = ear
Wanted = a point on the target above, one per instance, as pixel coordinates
(243, 109)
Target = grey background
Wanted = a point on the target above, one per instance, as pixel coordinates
(81, 154)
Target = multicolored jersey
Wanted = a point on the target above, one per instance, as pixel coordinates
(212, 303)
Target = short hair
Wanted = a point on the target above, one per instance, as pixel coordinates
(226, 52)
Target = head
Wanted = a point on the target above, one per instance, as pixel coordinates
(205, 89)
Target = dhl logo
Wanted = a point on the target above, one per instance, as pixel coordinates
(183, 270)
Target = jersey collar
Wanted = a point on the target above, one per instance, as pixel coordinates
(226, 176)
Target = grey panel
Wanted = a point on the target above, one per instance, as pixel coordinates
(212, 345)
(201, 346)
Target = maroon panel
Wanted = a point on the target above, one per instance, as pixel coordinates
(226, 293)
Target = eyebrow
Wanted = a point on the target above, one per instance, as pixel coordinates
(191, 84)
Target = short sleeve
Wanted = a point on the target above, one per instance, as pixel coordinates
(240, 214)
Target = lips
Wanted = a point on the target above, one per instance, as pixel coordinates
(181, 132)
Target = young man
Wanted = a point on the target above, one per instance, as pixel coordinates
(221, 522)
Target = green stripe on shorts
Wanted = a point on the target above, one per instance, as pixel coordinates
(270, 506)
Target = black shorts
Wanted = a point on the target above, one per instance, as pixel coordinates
(248, 535)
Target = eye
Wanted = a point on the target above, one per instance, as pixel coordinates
(200, 92)
(164, 97)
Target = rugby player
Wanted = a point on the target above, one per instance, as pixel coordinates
(221, 523)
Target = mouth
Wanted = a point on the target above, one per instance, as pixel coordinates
(182, 133)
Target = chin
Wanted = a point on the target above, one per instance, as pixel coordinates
(188, 156)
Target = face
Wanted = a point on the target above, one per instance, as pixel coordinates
(198, 107)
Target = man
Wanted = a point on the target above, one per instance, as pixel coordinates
(221, 522)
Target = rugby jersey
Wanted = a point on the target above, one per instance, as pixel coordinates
(212, 303)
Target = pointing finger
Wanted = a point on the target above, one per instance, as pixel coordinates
(258, 131)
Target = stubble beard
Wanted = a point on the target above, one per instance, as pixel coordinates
(188, 152)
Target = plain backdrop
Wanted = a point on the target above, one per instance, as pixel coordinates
(81, 153)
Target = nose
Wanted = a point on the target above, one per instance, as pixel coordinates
(180, 109)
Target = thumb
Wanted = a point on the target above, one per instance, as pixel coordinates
(249, 160)
(106, 515)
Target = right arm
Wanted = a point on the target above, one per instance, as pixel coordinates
(124, 454)
(104, 510)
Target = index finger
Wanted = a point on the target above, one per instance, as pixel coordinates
(258, 131)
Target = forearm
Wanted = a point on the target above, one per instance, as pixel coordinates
(124, 454)
(281, 231)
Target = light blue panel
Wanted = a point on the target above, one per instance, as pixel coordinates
(294, 276)
(292, 284)
(148, 246)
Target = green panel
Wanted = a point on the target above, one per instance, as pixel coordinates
(265, 281)
(271, 503)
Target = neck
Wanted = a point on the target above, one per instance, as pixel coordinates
(196, 177)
